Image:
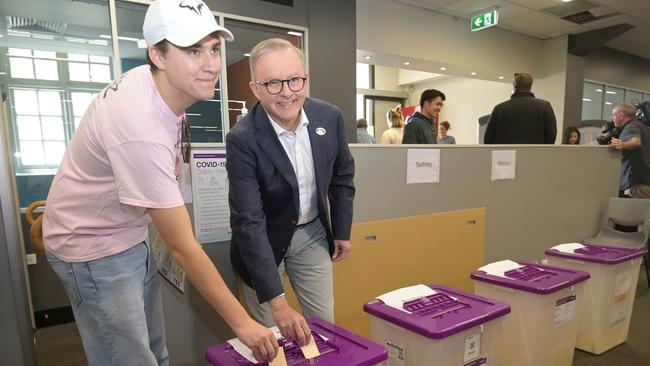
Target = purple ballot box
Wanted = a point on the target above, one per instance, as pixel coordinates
(604, 316)
(337, 346)
(541, 331)
(438, 326)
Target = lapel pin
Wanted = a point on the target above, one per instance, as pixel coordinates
(320, 131)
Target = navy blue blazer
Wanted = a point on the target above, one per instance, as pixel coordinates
(263, 197)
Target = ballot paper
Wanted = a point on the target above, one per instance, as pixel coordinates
(568, 247)
(500, 268)
(310, 350)
(280, 359)
(397, 298)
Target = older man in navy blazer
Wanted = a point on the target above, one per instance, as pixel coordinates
(291, 191)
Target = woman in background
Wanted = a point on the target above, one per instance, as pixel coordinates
(571, 136)
(393, 135)
(443, 138)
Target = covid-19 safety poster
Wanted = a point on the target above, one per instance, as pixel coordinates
(210, 195)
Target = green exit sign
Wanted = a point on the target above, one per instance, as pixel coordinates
(485, 20)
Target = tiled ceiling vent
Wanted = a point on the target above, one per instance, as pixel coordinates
(580, 18)
(581, 11)
(28, 24)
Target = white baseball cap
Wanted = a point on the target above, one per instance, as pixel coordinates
(181, 22)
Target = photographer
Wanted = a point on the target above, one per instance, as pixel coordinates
(635, 174)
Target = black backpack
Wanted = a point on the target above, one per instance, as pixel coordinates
(644, 127)
(643, 113)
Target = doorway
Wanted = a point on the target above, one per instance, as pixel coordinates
(376, 110)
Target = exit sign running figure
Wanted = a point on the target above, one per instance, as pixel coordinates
(485, 20)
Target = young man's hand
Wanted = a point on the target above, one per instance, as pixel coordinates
(259, 339)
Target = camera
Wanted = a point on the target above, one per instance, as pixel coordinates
(608, 132)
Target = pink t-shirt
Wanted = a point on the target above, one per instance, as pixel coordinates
(122, 160)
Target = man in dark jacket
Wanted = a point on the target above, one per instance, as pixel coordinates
(523, 119)
(290, 175)
(420, 128)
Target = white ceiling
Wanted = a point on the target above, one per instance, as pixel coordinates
(531, 18)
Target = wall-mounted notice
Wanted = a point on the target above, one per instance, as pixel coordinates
(504, 164)
(210, 196)
(423, 166)
(168, 267)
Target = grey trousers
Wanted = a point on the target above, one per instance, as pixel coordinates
(309, 267)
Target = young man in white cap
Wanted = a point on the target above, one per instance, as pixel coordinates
(118, 174)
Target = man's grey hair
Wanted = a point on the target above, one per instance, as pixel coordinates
(268, 46)
(523, 81)
(628, 109)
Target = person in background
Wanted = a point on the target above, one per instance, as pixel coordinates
(523, 119)
(571, 136)
(395, 131)
(120, 172)
(443, 138)
(420, 128)
(635, 163)
(363, 137)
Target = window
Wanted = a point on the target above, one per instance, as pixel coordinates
(613, 96)
(89, 68)
(598, 100)
(633, 96)
(130, 17)
(53, 59)
(32, 64)
(592, 101)
(49, 92)
(80, 101)
(39, 121)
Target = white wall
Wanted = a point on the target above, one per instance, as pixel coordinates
(467, 100)
(551, 82)
(386, 78)
(407, 77)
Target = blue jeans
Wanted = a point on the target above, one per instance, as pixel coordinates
(117, 306)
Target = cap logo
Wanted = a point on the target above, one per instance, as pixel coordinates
(192, 5)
